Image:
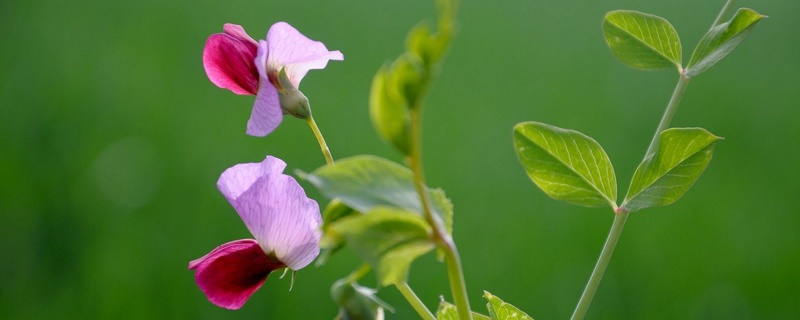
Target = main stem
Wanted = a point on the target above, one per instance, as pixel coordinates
(456, 276)
(321, 140)
(414, 301)
(600, 268)
(440, 235)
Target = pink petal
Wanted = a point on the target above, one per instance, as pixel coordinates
(232, 272)
(290, 49)
(228, 60)
(267, 113)
(282, 219)
(276, 210)
(236, 180)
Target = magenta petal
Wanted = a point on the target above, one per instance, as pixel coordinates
(291, 49)
(229, 62)
(232, 272)
(237, 32)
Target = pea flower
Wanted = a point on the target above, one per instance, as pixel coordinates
(271, 69)
(284, 222)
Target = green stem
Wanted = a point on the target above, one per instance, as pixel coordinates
(321, 140)
(440, 235)
(674, 101)
(600, 268)
(722, 13)
(680, 88)
(456, 276)
(414, 301)
(359, 273)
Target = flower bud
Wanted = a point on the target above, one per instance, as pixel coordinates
(357, 302)
(293, 101)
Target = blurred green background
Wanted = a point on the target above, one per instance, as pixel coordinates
(112, 139)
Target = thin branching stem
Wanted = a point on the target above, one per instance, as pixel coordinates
(621, 214)
(669, 113)
(600, 268)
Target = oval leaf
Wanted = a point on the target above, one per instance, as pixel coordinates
(365, 182)
(721, 40)
(566, 164)
(500, 310)
(388, 238)
(641, 40)
(665, 176)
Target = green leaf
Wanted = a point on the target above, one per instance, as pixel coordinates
(566, 164)
(331, 241)
(388, 238)
(500, 310)
(388, 109)
(721, 40)
(447, 311)
(641, 40)
(365, 182)
(428, 46)
(665, 176)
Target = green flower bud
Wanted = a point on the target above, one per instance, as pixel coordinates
(357, 302)
(293, 101)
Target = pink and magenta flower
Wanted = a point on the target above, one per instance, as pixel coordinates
(282, 219)
(234, 61)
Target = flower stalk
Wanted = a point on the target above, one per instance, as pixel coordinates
(320, 139)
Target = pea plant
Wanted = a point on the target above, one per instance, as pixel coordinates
(386, 212)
